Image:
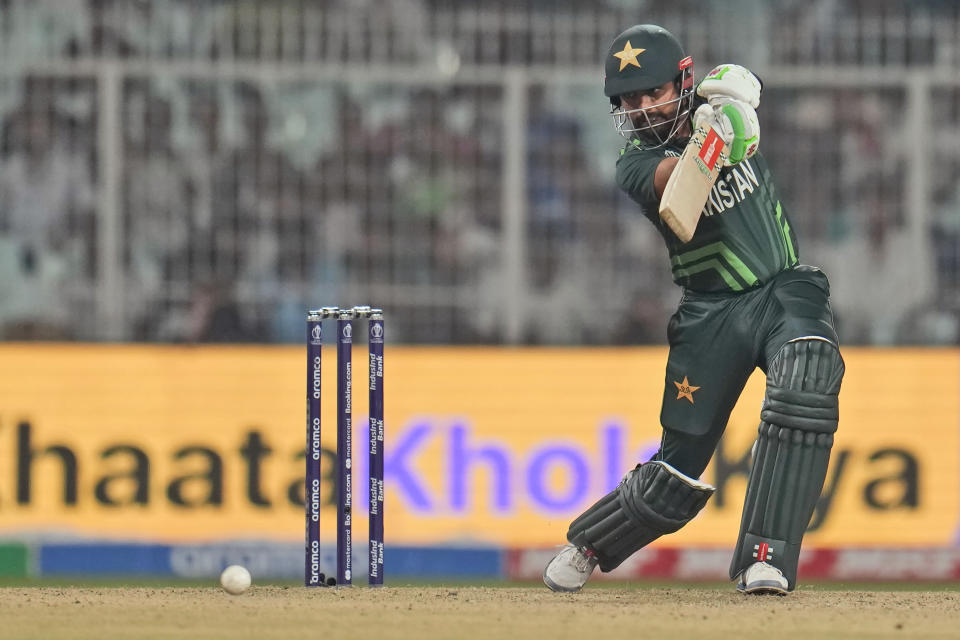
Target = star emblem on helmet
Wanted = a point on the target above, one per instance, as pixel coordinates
(628, 56)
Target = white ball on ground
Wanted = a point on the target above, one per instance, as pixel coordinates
(235, 579)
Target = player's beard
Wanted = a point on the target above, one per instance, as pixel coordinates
(657, 130)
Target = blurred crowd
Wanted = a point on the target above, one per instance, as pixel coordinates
(211, 204)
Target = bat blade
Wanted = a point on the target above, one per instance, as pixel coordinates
(692, 179)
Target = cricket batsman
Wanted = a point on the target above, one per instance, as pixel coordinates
(747, 302)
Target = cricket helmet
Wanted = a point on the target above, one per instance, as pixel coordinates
(644, 57)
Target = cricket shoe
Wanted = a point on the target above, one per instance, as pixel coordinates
(762, 578)
(570, 569)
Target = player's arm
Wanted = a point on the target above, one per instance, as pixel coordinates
(637, 171)
(735, 118)
(643, 175)
(724, 134)
(662, 175)
(744, 136)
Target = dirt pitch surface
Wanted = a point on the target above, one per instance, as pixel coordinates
(267, 612)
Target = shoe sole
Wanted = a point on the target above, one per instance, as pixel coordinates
(762, 587)
(553, 586)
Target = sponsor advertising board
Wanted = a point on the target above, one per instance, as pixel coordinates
(484, 447)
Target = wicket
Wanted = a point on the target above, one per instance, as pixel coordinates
(344, 475)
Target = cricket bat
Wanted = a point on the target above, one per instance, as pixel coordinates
(692, 179)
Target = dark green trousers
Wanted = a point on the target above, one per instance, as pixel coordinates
(716, 342)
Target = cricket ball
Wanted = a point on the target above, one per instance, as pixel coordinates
(235, 579)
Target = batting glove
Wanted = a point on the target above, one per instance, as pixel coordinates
(737, 122)
(733, 82)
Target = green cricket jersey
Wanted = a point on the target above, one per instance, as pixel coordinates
(744, 237)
